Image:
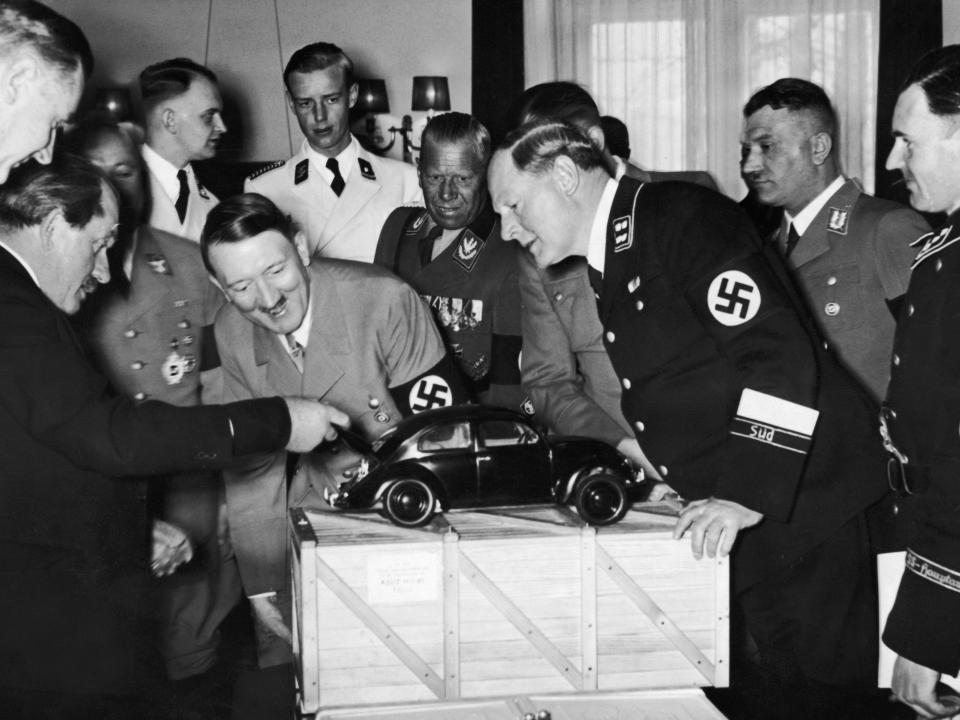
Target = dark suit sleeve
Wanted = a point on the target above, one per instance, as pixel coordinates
(743, 306)
(549, 367)
(52, 391)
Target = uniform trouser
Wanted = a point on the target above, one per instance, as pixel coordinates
(815, 625)
(196, 599)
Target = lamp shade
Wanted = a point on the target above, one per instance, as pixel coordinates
(113, 103)
(371, 96)
(430, 92)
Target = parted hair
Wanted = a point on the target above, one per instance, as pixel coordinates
(169, 79)
(938, 74)
(239, 218)
(71, 185)
(458, 127)
(559, 100)
(796, 95)
(59, 41)
(319, 56)
(536, 145)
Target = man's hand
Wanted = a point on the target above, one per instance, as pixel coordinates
(312, 422)
(171, 548)
(916, 686)
(631, 448)
(714, 523)
(269, 615)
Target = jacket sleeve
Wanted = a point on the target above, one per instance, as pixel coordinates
(550, 373)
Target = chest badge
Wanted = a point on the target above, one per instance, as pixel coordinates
(301, 172)
(733, 298)
(158, 263)
(468, 250)
(366, 169)
(526, 407)
(622, 235)
(838, 220)
(176, 366)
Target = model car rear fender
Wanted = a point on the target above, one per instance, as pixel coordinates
(569, 486)
(412, 471)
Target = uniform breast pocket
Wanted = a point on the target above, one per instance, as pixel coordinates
(838, 298)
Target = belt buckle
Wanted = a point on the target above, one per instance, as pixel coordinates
(897, 476)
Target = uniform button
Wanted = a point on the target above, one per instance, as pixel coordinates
(130, 333)
(627, 383)
(826, 345)
(639, 304)
(382, 417)
(639, 426)
(140, 396)
(558, 297)
(939, 264)
(832, 280)
(374, 402)
(138, 365)
(896, 509)
(663, 470)
(832, 309)
(896, 360)
(610, 336)
(893, 413)
(910, 310)
(183, 324)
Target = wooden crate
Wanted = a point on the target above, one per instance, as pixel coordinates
(479, 605)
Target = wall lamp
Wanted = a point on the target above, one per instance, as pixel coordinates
(430, 93)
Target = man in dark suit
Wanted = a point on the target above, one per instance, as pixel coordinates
(733, 401)
(73, 545)
(453, 255)
(849, 252)
(349, 333)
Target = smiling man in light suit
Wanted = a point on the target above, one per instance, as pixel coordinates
(338, 193)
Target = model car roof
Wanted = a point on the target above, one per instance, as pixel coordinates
(457, 413)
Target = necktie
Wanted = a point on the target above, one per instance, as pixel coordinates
(425, 246)
(296, 351)
(337, 183)
(184, 195)
(792, 239)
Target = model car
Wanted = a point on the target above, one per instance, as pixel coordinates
(474, 456)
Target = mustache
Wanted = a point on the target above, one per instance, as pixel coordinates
(278, 305)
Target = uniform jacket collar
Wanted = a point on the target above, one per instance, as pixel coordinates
(622, 237)
(829, 226)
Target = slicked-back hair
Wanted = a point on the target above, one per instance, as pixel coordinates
(796, 95)
(69, 184)
(319, 56)
(938, 75)
(169, 79)
(239, 218)
(84, 137)
(535, 146)
(59, 41)
(455, 128)
(559, 100)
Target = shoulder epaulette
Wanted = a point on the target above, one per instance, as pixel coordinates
(266, 169)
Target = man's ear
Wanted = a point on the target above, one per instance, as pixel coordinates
(168, 118)
(53, 224)
(820, 146)
(17, 77)
(565, 174)
(353, 94)
(289, 99)
(300, 243)
(216, 282)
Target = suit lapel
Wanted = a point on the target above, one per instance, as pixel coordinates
(328, 350)
(278, 374)
(829, 226)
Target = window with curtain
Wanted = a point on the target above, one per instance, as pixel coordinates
(678, 72)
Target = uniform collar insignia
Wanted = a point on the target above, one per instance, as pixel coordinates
(468, 249)
(622, 235)
(366, 169)
(932, 243)
(418, 222)
(838, 220)
(158, 263)
(301, 172)
(203, 191)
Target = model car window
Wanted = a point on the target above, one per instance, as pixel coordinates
(446, 437)
(498, 433)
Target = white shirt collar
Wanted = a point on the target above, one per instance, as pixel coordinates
(597, 247)
(165, 172)
(19, 258)
(302, 333)
(803, 219)
(346, 159)
(621, 168)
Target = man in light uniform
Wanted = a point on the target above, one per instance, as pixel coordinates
(338, 194)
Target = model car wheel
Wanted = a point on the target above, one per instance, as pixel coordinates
(409, 503)
(601, 499)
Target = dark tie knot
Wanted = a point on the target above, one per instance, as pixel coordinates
(184, 196)
(337, 184)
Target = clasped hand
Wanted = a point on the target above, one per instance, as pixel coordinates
(713, 525)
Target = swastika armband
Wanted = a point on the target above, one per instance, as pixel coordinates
(440, 386)
(774, 421)
(733, 297)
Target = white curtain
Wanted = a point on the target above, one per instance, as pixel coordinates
(678, 72)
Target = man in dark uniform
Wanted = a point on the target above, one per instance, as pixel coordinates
(146, 329)
(849, 252)
(349, 333)
(922, 411)
(73, 543)
(732, 400)
(453, 255)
